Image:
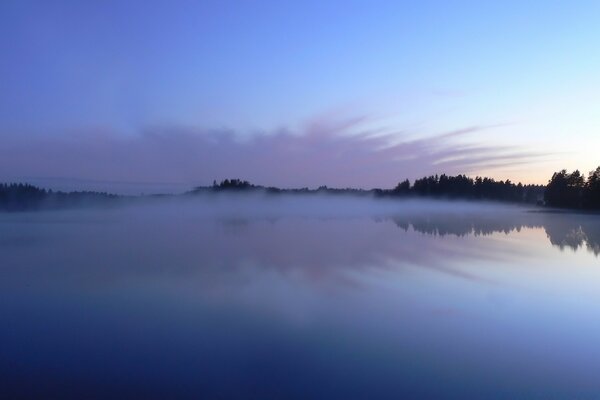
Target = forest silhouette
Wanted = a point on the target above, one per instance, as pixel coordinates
(26, 197)
(564, 190)
(440, 186)
(572, 190)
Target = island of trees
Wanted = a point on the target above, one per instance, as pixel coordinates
(564, 190)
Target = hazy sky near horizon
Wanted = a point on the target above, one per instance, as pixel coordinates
(304, 93)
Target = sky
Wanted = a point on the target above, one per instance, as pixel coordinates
(164, 95)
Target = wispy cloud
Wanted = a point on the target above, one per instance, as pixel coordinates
(327, 151)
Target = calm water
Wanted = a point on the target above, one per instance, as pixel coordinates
(300, 298)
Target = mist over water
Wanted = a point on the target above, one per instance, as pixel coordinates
(255, 296)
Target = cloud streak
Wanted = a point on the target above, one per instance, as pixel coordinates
(337, 153)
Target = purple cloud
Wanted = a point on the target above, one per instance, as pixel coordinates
(337, 153)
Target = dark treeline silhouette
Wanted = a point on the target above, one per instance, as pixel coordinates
(573, 190)
(232, 184)
(443, 186)
(238, 185)
(464, 187)
(566, 190)
(25, 197)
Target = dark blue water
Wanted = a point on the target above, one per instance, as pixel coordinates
(318, 298)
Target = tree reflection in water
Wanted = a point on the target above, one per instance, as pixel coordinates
(564, 230)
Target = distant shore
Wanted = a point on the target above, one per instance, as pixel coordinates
(564, 192)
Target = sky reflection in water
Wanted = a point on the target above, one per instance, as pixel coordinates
(300, 298)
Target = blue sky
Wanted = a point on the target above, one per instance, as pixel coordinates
(417, 68)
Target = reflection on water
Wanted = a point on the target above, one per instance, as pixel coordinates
(564, 230)
(300, 299)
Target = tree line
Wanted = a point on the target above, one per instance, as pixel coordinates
(564, 190)
(26, 197)
(461, 186)
(573, 190)
(440, 186)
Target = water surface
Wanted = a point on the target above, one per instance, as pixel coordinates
(271, 298)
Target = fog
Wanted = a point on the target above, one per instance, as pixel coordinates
(263, 204)
(298, 296)
(315, 236)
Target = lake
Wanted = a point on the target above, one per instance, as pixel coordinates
(300, 297)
